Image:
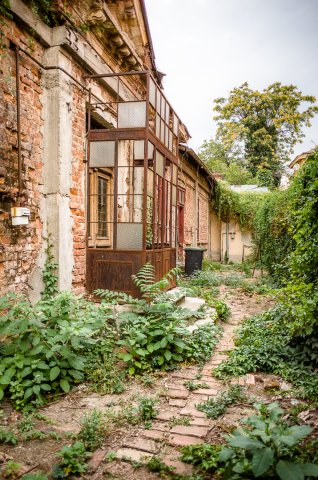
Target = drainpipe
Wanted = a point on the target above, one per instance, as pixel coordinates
(18, 103)
(227, 243)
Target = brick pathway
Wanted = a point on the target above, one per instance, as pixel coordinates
(179, 423)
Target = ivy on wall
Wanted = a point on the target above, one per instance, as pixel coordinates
(240, 207)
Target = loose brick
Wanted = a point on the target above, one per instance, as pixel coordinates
(206, 391)
(96, 459)
(191, 430)
(178, 393)
(192, 411)
(177, 402)
(166, 416)
(153, 434)
(132, 454)
(183, 440)
(144, 444)
(180, 468)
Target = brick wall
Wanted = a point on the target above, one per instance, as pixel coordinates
(19, 246)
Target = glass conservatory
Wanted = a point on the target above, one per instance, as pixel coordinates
(132, 183)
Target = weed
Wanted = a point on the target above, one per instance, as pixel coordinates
(146, 408)
(110, 457)
(213, 408)
(195, 386)
(35, 476)
(147, 380)
(10, 471)
(93, 430)
(183, 420)
(73, 461)
(7, 437)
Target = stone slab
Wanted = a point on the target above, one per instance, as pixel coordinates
(144, 444)
(132, 454)
(177, 402)
(183, 440)
(191, 430)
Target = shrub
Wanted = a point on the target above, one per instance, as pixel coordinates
(45, 345)
(265, 448)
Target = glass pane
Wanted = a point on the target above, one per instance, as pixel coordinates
(102, 154)
(162, 131)
(139, 152)
(166, 136)
(157, 126)
(129, 208)
(175, 124)
(158, 101)
(125, 153)
(167, 113)
(152, 92)
(170, 140)
(174, 195)
(151, 148)
(102, 207)
(174, 173)
(160, 163)
(138, 180)
(149, 233)
(163, 105)
(150, 183)
(152, 116)
(129, 236)
(131, 114)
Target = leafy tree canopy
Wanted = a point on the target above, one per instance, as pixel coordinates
(265, 125)
(228, 163)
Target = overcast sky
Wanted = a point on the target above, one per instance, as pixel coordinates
(207, 47)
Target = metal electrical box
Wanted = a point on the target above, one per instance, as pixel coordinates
(20, 216)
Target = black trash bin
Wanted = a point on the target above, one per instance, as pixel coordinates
(193, 259)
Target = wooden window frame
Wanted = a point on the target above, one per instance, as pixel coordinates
(94, 240)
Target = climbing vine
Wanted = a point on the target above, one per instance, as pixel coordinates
(231, 205)
(49, 274)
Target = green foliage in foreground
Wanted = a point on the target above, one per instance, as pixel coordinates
(266, 447)
(263, 343)
(73, 461)
(214, 407)
(44, 346)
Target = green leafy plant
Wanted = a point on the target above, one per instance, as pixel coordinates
(201, 343)
(146, 408)
(222, 309)
(73, 461)
(264, 448)
(194, 385)
(145, 281)
(35, 476)
(10, 471)
(214, 407)
(93, 430)
(155, 340)
(50, 278)
(45, 345)
(6, 436)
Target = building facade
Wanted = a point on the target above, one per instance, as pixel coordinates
(93, 156)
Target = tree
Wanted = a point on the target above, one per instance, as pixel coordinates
(266, 125)
(230, 164)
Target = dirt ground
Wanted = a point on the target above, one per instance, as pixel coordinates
(178, 422)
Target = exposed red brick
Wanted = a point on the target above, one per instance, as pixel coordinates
(183, 440)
